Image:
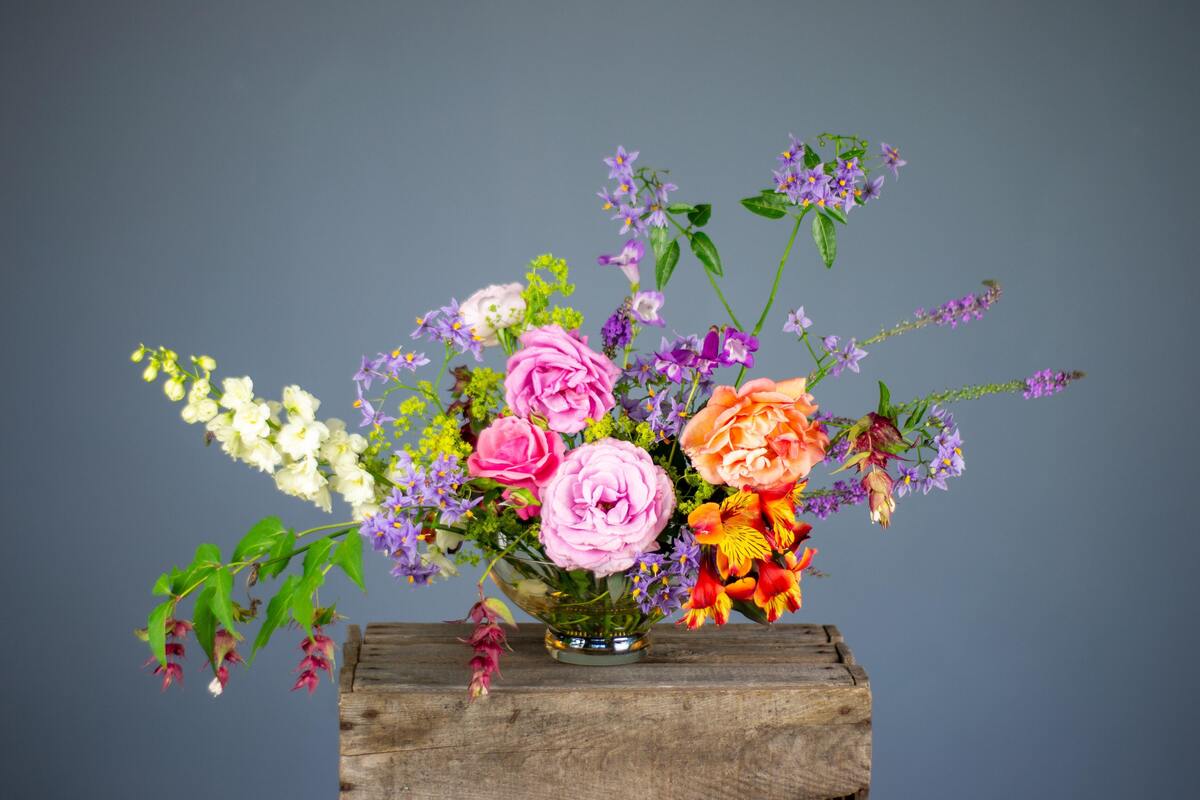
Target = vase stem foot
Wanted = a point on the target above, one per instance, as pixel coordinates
(596, 651)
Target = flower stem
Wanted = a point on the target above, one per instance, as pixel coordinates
(762, 318)
(711, 279)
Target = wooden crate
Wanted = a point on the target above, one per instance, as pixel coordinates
(744, 711)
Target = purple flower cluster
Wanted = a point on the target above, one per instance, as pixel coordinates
(1044, 383)
(665, 411)
(387, 366)
(825, 502)
(947, 463)
(636, 212)
(689, 356)
(662, 583)
(396, 529)
(961, 310)
(617, 331)
(446, 324)
(841, 183)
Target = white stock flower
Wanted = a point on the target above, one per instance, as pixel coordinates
(364, 510)
(263, 455)
(221, 427)
(301, 479)
(237, 392)
(250, 421)
(302, 438)
(300, 405)
(356, 486)
(201, 409)
(492, 308)
(275, 407)
(200, 390)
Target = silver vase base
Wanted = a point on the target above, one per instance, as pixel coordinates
(596, 651)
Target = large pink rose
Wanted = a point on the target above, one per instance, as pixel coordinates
(516, 453)
(557, 376)
(604, 507)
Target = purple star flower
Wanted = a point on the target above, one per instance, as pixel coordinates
(626, 188)
(794, 154)
(830, 343)
(370, 415)
(796, 322)
(631, 219)
(607, 201)
(870, 190)
(787, 182)
(628, 259)
(739, 348)
(674, 359)
(366, 373)
(646, 306)
(891, 157)
(621, 163)
(848, 358)
(662, 190)
(909, 481)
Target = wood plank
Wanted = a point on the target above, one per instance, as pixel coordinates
(762, 757)
(644, 676)
(708, 635)
(844, 652)
(350, 655)
(571, 719)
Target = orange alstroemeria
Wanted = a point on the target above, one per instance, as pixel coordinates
(709, 598)
(778, 588)
(779, 507)
(735, 528)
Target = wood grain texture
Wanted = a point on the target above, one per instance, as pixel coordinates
(779, 713)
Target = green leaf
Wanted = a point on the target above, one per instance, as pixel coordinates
(811, 156)
(836, 213)
(826, 238)
(204, 623)
(617, 584)
(348, 557)
(665, 264)
(258, 539)
(317, 555)
(280, 555)
(205, 554)
(501, 610)
(764, 207)
(681, 208)
(706, 251)
(700, 215)
(162, 586)
(918, 413)
(277, 612)
(156, 630)
(302, 605)
(658, 241)
(885, 399)
(221, 584)
(850, 462)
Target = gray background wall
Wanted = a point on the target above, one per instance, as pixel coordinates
(285, 185)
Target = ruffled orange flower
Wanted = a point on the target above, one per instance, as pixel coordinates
(778, 588)
(758, 436)
(735, 529)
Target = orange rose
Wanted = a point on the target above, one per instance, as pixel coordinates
(758, 436)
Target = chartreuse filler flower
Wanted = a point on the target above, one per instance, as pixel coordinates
(603, 486)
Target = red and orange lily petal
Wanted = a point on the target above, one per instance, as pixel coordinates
(778, 588)
(709, 598)
(735, 528)
(779, 507)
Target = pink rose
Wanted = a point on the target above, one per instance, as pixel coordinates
(604, 507)
(518, 454)
(557, 376)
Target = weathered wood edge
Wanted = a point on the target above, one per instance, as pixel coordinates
(843, 650)
(350, 651)
(833, 633)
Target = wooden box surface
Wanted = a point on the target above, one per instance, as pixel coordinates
(743, 711)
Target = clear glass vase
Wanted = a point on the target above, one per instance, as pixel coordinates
(584, 623)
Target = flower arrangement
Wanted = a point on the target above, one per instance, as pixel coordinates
(606, 488)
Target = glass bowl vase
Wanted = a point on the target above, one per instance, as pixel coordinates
(590, 621)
